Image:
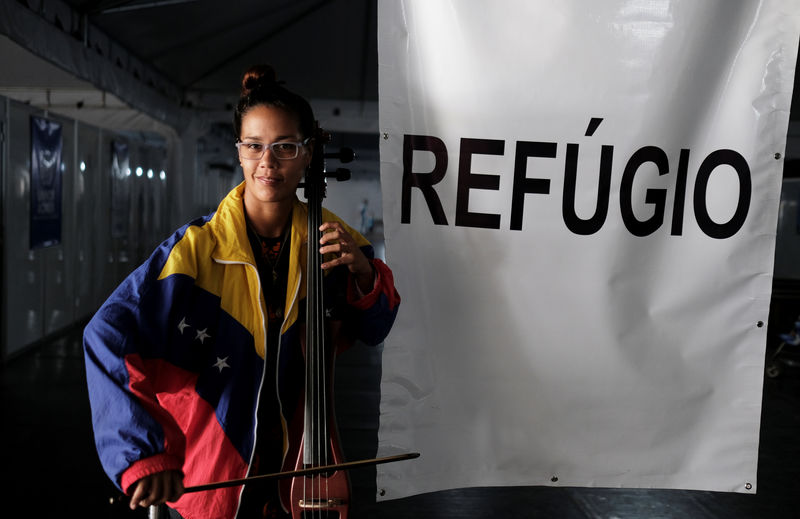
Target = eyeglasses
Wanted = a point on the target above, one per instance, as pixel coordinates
(280, 150)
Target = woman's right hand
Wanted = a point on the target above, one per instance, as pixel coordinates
(157, 489)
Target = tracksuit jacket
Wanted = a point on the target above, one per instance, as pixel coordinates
(175, 356)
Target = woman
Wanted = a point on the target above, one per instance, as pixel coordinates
(194, 364)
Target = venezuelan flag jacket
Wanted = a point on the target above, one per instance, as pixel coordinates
(175, 356)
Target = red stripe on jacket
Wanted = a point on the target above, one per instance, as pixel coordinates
(189, 422)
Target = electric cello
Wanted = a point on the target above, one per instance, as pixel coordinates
(325, 494)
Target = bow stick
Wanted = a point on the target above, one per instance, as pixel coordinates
(294, 473)
(302, 472)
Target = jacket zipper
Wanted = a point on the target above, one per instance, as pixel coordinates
(263, 371)
(278, 363)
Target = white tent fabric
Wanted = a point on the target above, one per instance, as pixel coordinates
(93, 60)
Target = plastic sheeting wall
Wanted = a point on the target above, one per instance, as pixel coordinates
(46, 290)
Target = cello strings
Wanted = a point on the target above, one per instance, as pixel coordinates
(319, 346)
(319, 363)
(323, 380)
(316, 318)
(309, 440)
(318, 446)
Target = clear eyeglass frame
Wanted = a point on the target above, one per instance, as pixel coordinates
(281, 150)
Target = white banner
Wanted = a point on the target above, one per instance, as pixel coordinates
(580, 203)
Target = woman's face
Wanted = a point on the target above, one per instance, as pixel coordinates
(270, 180)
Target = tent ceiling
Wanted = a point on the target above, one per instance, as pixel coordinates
(32, 80)
(324, 49)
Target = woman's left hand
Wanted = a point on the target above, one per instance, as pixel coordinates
(336, 240)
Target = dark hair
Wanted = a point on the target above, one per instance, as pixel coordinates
(260, 87)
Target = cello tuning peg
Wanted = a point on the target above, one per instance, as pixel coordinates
(341, 174)
(344, 155)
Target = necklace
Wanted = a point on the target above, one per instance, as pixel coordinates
(268, 253)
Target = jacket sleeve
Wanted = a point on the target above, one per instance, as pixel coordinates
(133, 435)
(374, 313)
(378, 308)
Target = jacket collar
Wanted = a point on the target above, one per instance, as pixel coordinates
(230, 229)
(232, 245)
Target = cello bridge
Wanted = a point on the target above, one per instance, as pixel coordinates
(321, 504)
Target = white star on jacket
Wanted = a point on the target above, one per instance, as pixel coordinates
(222, 364)
(182, 325)
(202, 335)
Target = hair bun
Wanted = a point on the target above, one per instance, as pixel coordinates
(258, 76)
(260, 87)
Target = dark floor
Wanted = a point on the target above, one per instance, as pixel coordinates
(50, 469)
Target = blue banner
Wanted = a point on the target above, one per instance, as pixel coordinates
(120, 189)
(46, 169)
